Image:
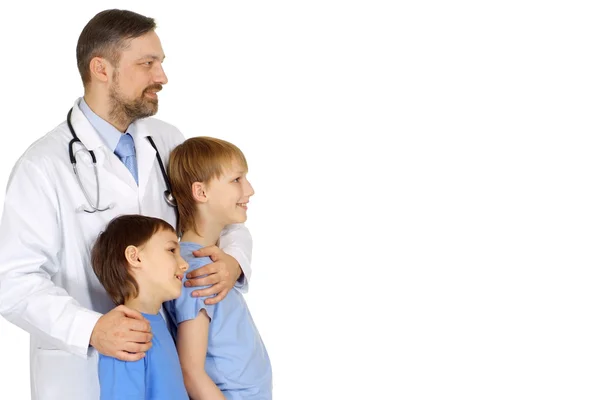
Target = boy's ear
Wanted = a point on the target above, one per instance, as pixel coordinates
(199, 192)
(132, 254)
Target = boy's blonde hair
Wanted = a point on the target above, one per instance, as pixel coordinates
(198, 159)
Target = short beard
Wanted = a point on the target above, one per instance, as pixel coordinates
(125, 112)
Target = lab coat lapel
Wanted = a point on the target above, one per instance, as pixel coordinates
(105, 159)
(145, 155)
(84, 130)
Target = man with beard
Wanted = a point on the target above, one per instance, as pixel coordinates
(106, 160)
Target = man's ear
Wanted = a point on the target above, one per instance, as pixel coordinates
(132, 254)
(199, 192)
(100, 69)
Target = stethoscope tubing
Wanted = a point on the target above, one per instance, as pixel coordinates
(167, 193)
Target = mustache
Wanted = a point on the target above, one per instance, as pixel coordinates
(155, 88)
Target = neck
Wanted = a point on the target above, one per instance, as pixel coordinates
(145, 303)
(206, 233)
(107, 112)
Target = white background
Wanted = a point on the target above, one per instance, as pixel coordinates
(427, 211)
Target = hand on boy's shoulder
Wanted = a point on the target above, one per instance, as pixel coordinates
(222, 274)
(122, 333)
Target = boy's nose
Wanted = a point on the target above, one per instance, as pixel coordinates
(183, 264)
(249, 190)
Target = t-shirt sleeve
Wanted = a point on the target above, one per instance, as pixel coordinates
(122, 380)
(187, 307)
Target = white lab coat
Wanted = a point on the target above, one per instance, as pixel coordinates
(47, 285)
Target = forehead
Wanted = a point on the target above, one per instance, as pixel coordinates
(234, 167)
(147, 45)
(163, 236)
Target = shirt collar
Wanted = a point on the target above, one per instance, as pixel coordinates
(109, 134)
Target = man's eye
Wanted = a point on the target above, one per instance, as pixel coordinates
(236, 180)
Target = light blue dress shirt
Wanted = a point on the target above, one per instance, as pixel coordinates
(109, 134)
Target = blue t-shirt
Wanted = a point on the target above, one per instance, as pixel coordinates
(236, 358)
(157, 376)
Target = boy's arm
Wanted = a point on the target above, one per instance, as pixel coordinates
(122, 380)
(192, 343)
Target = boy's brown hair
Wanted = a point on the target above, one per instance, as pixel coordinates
(198, 159)
(108, 254)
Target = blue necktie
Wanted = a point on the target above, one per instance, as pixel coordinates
(126, 152)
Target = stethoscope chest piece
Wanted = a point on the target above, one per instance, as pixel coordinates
(170, 199)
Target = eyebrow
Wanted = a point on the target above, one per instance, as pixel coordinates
(153, 57)
(173, 242)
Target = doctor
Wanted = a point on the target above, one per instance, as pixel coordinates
(104, 161)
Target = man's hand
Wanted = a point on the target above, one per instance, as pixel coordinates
(122, 333)
(221, 274)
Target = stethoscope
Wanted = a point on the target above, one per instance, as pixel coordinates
(167, 193)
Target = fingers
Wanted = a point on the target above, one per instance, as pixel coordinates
(218, 298)
(125, 356)
(210, 251)
(122, 333)
(205, 270)
(130, 313)
(138, 337)
(134, 320)
(136, 325)
(218, 288)
(207, 280)
(132, 347)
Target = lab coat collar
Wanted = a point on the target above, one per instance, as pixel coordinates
(84, 130)
(145, 153)
(92, 140)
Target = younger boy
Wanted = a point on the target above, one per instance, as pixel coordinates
(229, 360)
(137, 260)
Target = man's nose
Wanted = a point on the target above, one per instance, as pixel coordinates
(159, 75)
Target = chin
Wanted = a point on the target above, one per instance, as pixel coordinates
(148, 106)
(239, 219)
(175, 294)
(152, 109)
